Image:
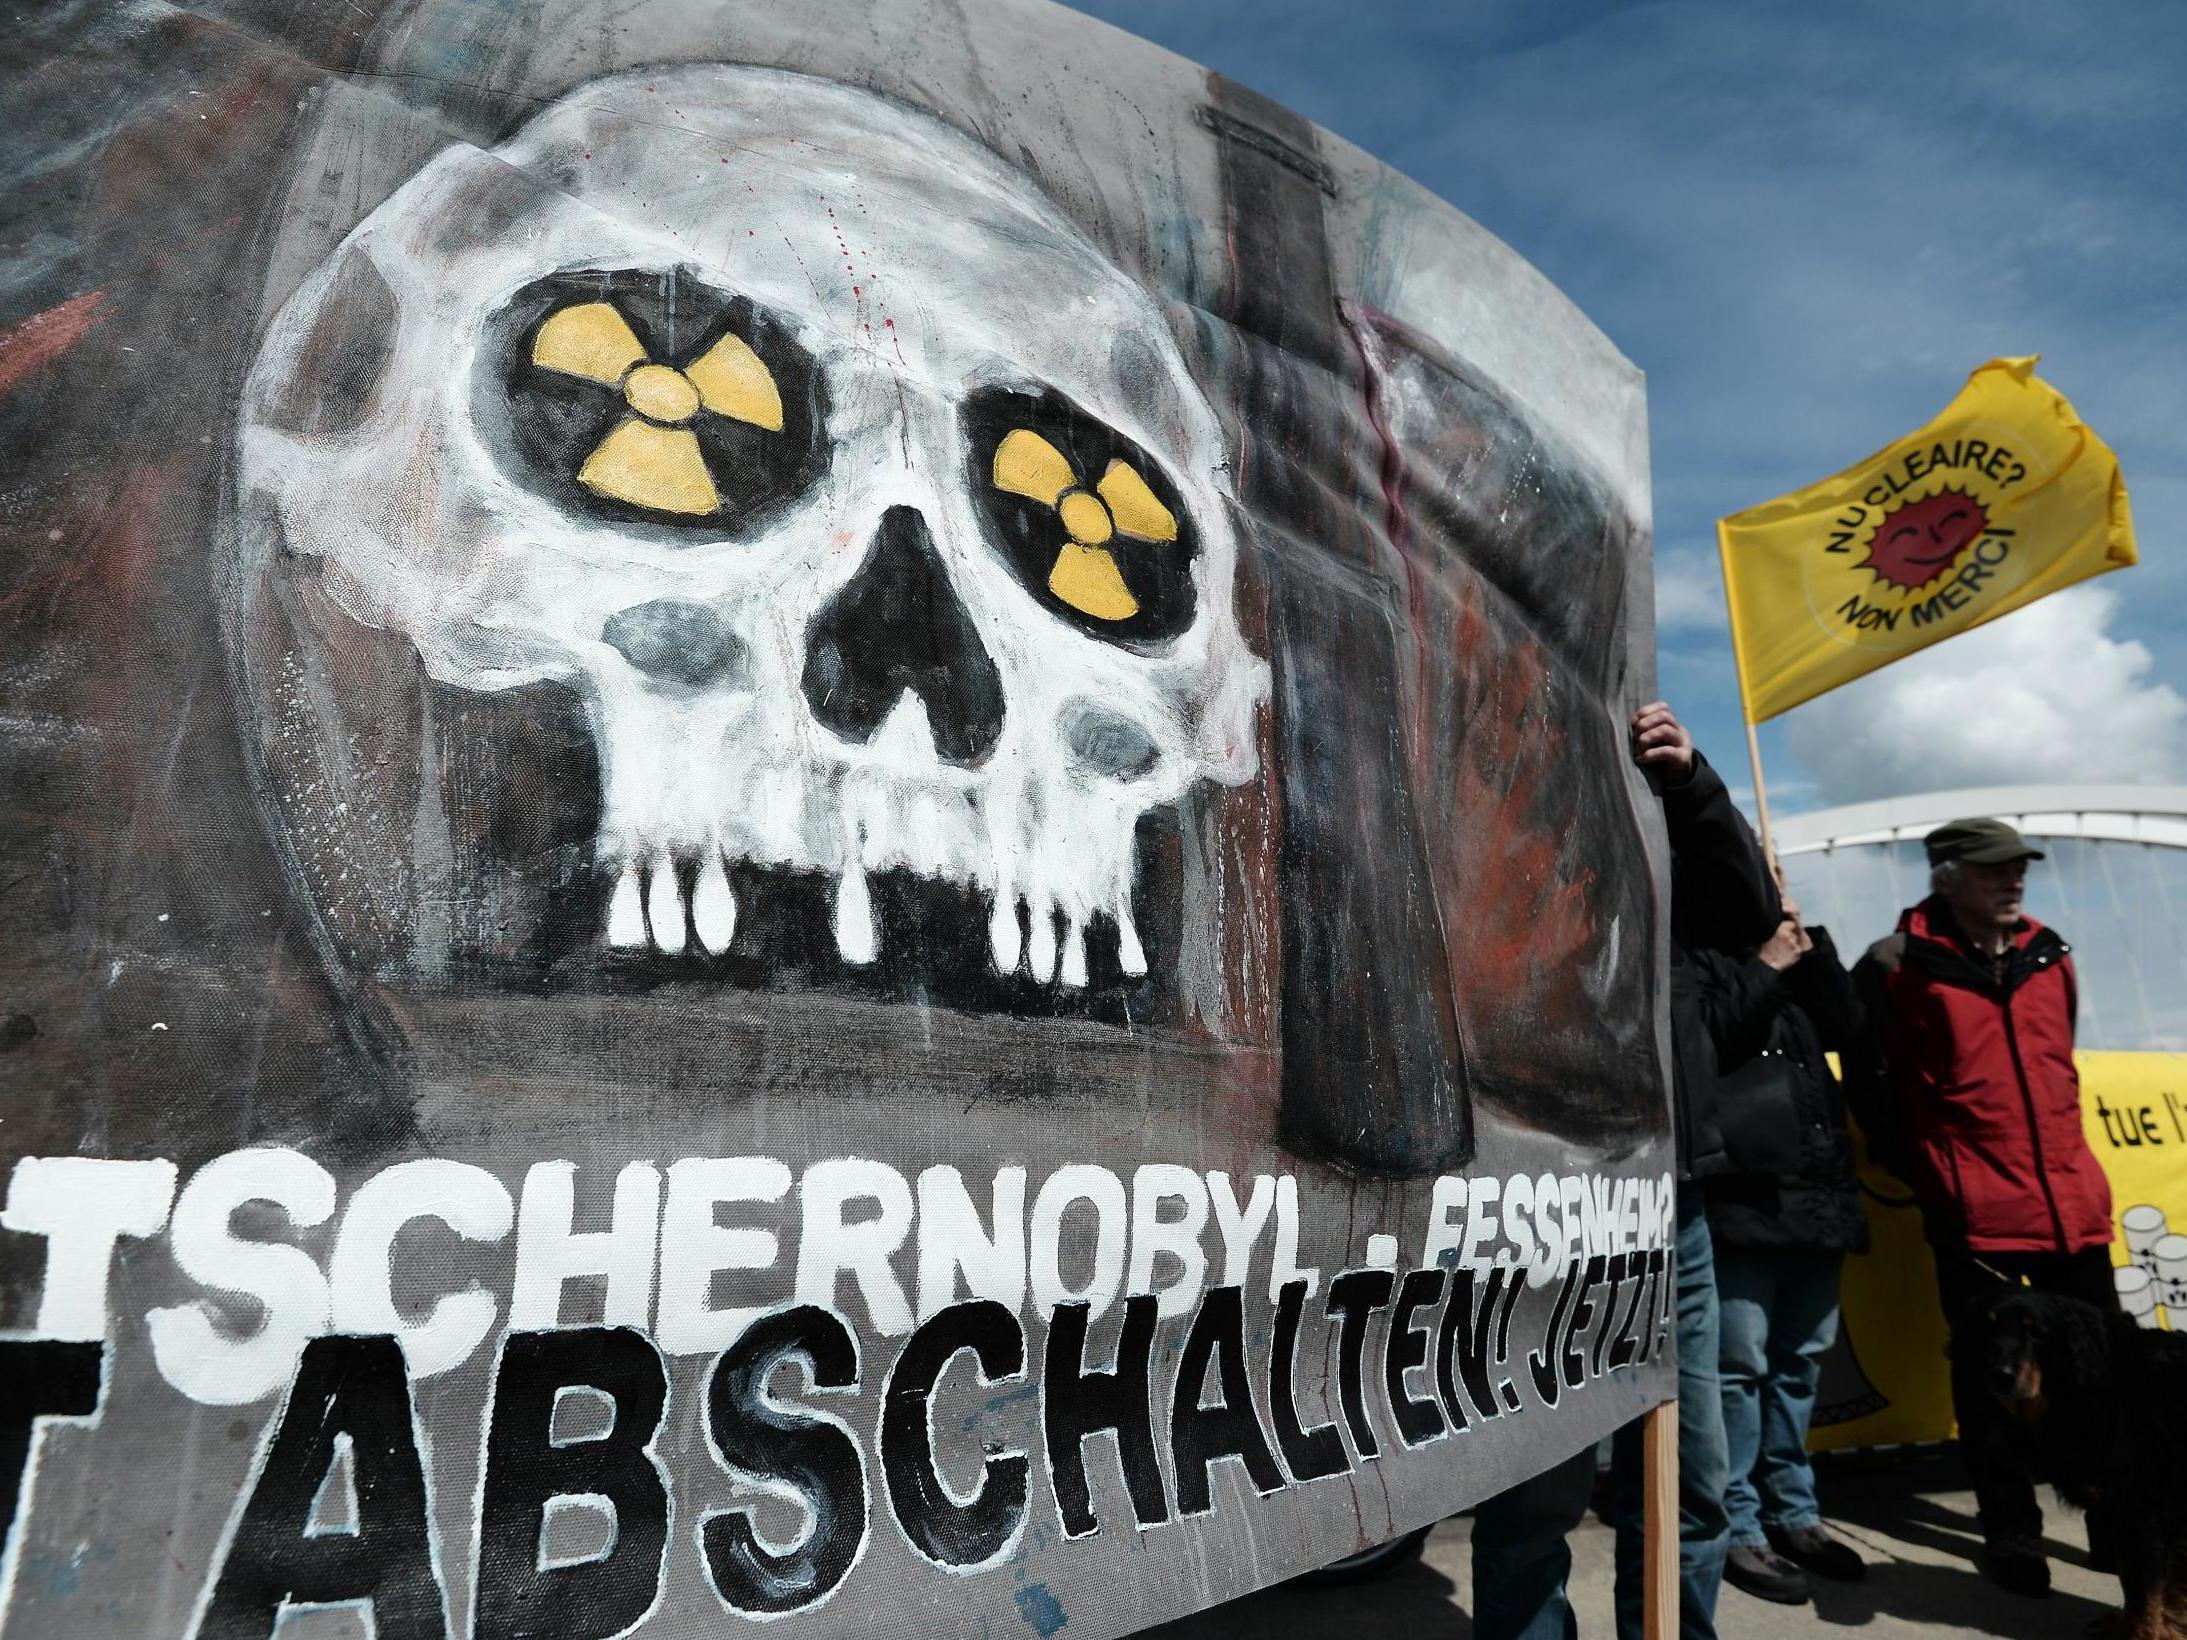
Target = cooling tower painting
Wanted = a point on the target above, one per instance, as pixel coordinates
(814, 815)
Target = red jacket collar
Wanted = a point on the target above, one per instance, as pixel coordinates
(1932, 919)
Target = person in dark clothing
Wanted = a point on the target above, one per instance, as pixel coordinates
(1783, 1218)
(1724, 901)
(1968, 1092)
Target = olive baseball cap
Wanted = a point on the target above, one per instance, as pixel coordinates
(1979, 842)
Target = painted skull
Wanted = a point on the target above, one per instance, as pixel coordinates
(868, 508)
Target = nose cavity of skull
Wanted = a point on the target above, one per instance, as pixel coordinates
(1101, 743)
(899, 626)
(678, 643)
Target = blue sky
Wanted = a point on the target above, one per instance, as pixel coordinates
(1807, 224)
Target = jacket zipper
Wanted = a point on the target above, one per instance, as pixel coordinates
(2035, 1128)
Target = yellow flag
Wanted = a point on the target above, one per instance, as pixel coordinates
(2003, 499)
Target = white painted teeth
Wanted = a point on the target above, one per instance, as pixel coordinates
(626, 912)
(1004, 938)
(1130, 955)
(1042, 948)
(1037, 948)
(856, 939)
(647, 907)
(664, 906)
(714, 906)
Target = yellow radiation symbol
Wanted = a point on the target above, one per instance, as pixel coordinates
(1085, 575)
(651, 458)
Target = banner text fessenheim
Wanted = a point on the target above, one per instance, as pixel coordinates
(1057, 1286)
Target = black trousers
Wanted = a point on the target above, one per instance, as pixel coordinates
(2004, 1496)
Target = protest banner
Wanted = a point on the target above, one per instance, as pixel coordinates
(814, 814)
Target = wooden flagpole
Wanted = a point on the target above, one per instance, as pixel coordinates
(1659, 1522)
(1761, 791)
(1746, 706)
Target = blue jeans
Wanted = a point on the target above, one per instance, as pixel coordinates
(1521, 1559)
(1704, 1530)
(1780, 1314)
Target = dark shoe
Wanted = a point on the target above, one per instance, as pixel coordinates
(2017, 1564)
(1766, 1575)
(2100, 1555)
(1814, 1550)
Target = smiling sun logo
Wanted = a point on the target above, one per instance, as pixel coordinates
(1920, 541)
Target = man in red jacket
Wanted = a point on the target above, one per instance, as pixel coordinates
(1973, 1100)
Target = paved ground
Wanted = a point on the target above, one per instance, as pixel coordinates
(1908, 1516)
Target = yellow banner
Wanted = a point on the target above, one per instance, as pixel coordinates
(2004, 498)
(1885, 1381)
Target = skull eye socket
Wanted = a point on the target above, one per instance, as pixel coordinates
(654, 399)
(1090, 522)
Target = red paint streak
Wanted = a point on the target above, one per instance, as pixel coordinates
(107, 561)
(43, 337)
(850, 266)
(1518, 921)
(1519, 925)
(1395, 519)
(1397, 525)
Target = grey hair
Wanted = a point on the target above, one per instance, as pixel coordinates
(1945, 873)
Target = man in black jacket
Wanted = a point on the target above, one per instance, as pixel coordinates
(1783, 1217)
(1723, 900)
(1723, 903)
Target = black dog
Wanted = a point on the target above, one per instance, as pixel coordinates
(2099, 1407)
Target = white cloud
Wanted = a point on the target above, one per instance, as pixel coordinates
(2043, 695)
(1689, 589)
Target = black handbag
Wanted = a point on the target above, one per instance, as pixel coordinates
(1759, 1111)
